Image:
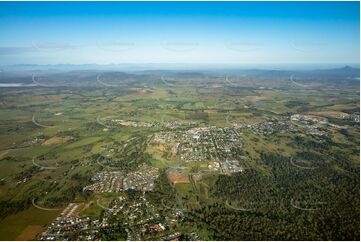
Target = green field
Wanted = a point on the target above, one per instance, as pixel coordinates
(325, 155)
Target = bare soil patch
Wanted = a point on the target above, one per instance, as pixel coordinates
(331, 114)
(57, 140)
(178, 179)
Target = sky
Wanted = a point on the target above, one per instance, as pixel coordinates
(179, 32)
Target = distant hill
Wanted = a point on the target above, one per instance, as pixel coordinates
(189, 74)
(88, 74)
(343, 71)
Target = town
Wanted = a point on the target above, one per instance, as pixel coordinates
(203, 143)
(114, 181)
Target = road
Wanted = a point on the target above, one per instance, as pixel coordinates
(40, 84)
(302, 167)
(306, 209)
(42, 208)
(166, 83)
(38, 124)
(44, 167)
(298, 84)
(238, 209)
(106, 84)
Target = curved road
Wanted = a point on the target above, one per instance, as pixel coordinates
(305, 209)
(106, 84)
(166, 83)
(302, 167)
(42, 208)
(44, 167)
(298, 84)
(238, 209)
(41, 84)
(38, 124)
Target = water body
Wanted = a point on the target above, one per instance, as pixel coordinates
(17, 85)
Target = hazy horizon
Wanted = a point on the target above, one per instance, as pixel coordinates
(182, 66)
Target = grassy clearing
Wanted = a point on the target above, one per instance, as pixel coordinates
(12, 226)
(83, 142)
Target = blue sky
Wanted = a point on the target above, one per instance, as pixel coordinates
(179, 32)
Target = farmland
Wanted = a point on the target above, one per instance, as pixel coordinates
(147, 156)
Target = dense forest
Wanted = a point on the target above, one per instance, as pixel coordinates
(289, 204)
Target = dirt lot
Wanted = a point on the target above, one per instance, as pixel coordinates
(3, 154)
(178, 178)
(57, 140)
(255, 98)
(331, 114)
(140, 90)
